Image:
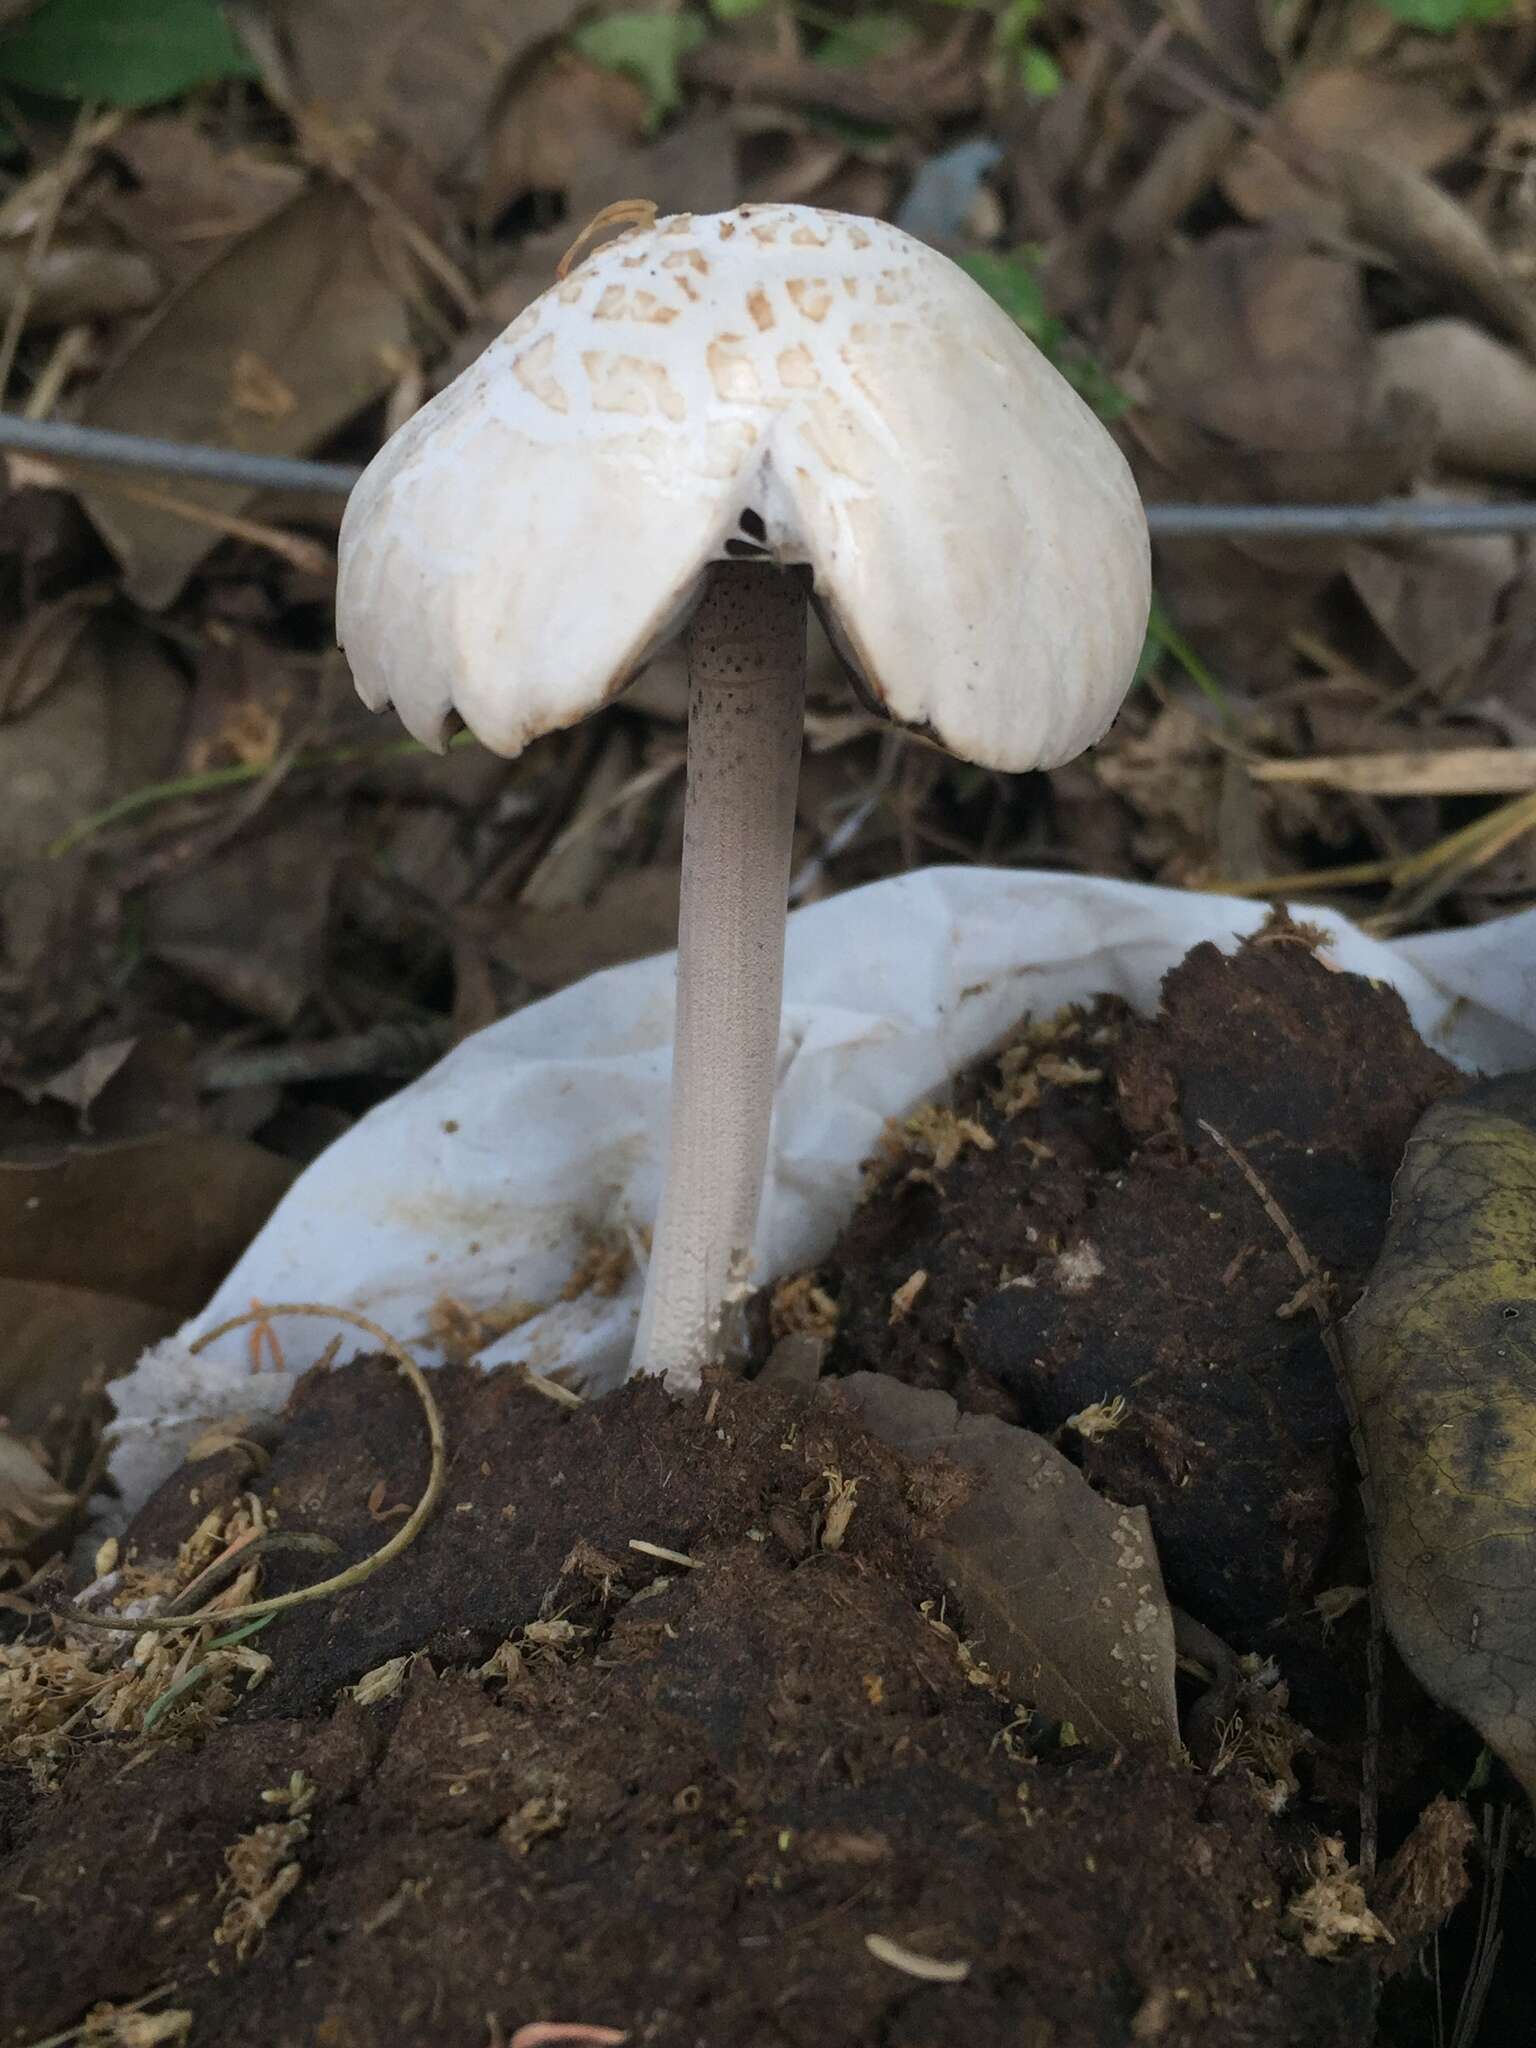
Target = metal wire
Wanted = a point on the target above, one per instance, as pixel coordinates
(1389, 518)
(58, 441)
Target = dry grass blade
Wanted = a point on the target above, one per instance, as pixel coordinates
(90, 129)
(659, 1550)
(927, 1969)
(1451, 858)
(295, 549)
(1490, 1938)
(545, 2033)
(1460, 854)
(1451, 771)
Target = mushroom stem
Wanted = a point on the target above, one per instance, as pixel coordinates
(746, 713)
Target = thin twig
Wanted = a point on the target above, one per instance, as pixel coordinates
(1315, 1289)
(355, 1574)
(389, 1048)
(82, 139)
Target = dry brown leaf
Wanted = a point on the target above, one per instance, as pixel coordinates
(1505, 696)
(1058, 1588)
(936, 81)
(1437, 601)
(159, 1219)
(634, 913)
(1235, 38)
(307, 294)
(1282, 170)
(1259, 382)
(1411, 218)
(1259, 375)
(382, 1682)
(76, 281)
(55, 1341)
(55, 761)
(1263, 341)
(692, 168)
(38, 650)
(428, 74)
(108, 724)
(30, 1497)
(1179, 172)
(189, 196)
(1483, 394)
(250, 923)
(564, 119)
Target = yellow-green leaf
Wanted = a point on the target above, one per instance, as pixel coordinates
(1441, 1357)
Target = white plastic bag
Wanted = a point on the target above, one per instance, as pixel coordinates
(486, 1180)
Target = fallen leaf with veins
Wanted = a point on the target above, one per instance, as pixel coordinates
(1059, 1588)
(1441, 1360)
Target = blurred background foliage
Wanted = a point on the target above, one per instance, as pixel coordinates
(1285, 248)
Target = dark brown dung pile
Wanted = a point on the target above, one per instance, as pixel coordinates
(735, 1787)
(1093, 1238)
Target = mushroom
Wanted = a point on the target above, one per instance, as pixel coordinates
(711, 422)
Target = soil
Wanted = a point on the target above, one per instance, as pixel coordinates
(743, 1787)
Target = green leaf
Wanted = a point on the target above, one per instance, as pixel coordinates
(1039, 73)
(1444, 17)
(735, 10)
(865, 38)
(646, 46)
(854, 135)
(1093, 385)
(126, 53)
(1164, 638)
(199, 1671)
(1011, 280)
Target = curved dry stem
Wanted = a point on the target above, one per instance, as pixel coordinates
(365, 1568)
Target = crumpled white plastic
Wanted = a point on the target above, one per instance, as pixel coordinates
(487, 1179)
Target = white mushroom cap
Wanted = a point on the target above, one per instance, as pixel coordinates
(519, 549)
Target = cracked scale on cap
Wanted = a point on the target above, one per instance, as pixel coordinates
(518, 550)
